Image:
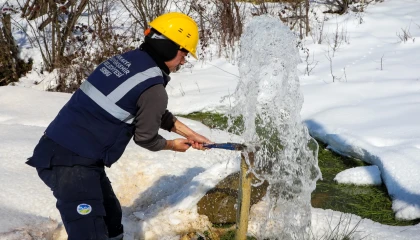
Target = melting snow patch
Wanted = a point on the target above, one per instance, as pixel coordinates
(369, 175)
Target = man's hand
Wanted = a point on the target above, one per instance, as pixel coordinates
(178, 145)
(197, 141)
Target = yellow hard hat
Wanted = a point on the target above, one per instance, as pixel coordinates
(179, 28)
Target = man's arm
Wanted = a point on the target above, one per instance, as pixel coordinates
(151, 106)
(196, 140)
(152, 115)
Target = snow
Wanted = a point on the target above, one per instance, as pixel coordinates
(151, 186)
(369, 175)
(371, 113)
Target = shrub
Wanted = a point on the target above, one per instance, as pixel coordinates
(11, 66)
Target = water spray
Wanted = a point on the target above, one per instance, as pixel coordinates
(268, 99)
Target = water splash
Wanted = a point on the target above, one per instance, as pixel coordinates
(269, 99)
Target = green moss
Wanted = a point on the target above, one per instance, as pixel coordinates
(371, 202)
(217, 121)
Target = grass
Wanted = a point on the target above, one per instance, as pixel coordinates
(370, 202)
(216, 120)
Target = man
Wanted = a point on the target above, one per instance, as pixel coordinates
(123, 98)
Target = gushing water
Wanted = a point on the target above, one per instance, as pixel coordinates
(269, 99)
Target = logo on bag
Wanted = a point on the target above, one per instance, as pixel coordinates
(84, 209)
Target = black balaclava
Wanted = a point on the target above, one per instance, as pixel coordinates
(160, 48)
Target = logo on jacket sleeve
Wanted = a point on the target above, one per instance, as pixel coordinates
(84, 209)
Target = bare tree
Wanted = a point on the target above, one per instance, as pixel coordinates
(338, 6)
(11, 66)
(204, 20)
(220, 22)
(54, 26)
(230, 19)
(10, 50)
(97, 40)
(259, 8)
(145, 11)
(296, 14)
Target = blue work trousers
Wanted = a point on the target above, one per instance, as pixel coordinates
(87, 204)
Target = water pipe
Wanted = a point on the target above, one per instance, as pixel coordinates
(244, 195)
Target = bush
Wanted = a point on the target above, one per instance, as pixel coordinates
(11, 66)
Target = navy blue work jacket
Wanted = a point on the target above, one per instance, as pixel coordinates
(97, 122)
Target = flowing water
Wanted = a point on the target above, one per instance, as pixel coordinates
(269, 100)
